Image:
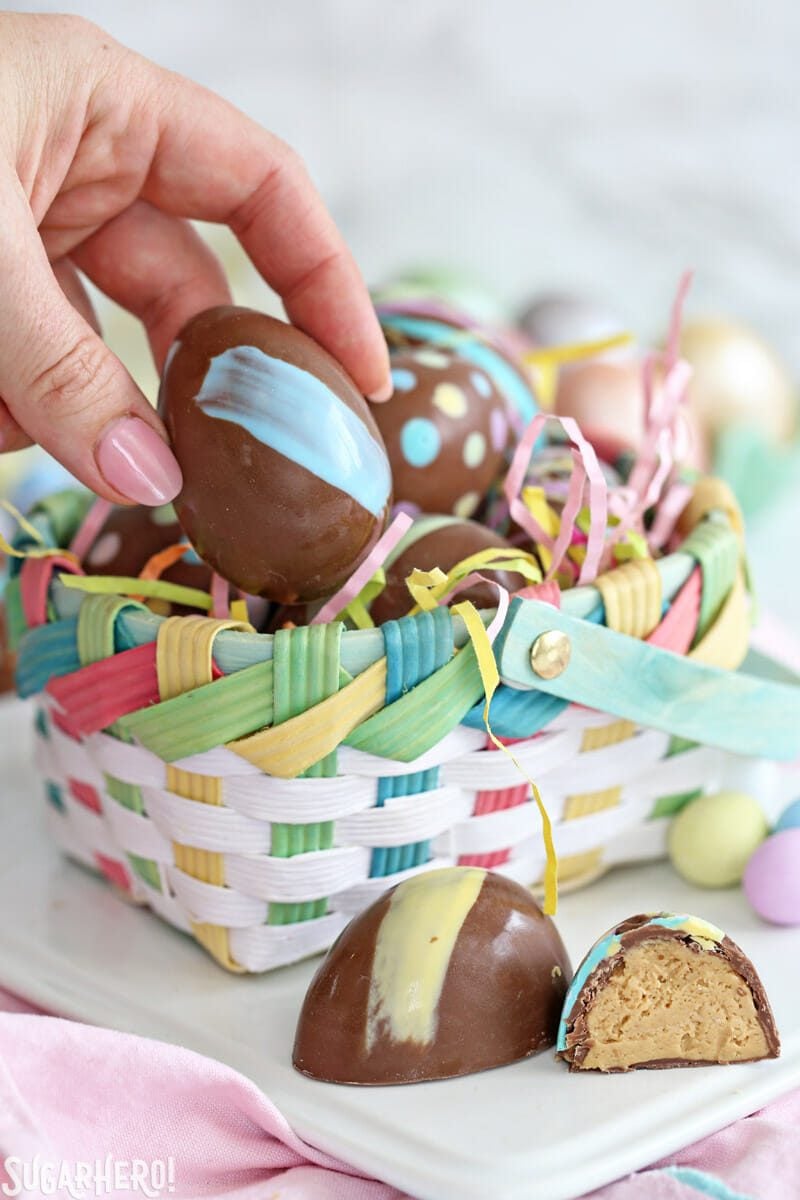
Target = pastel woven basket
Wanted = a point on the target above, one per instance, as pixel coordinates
(256, 791)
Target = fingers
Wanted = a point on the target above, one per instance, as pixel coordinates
(158, 268)
(212, 162)
(62, 385)
(12, 436)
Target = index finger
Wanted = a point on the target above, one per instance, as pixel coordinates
(214, 163)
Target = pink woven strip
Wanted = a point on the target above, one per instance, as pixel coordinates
(494, 800)
(34, 582)
(676, 631)
(114, 871)
(95, 696)
(85, 794)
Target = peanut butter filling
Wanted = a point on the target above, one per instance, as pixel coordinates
(667, 1001)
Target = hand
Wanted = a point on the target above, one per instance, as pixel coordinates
(103, 157)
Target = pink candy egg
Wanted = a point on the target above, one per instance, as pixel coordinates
(772, 878)
(607, 401)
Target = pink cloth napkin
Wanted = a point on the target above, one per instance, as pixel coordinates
(71, 1092)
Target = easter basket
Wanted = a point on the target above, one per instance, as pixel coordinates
(257, 790)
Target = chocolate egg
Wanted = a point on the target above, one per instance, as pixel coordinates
(440, 541)
(286, 484)
(737, 378)
(665, 990)
(451, 972)
(445, 430)
(496, 351)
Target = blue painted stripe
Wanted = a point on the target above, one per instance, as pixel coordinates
(297, 415)
(705, 1184)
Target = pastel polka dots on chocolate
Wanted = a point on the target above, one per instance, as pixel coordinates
(420, 441)
(445, 432)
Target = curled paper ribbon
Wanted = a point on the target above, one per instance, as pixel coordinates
(349, 591)
(586, 474)
(89, 527)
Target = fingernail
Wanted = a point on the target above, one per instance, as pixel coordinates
(138, 463)
(380, 395)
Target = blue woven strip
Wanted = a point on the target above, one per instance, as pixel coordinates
(46, 652)
(415, 648)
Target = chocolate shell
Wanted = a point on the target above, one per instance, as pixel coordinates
(665, 990)
(440, 541)
(286, 484)
(493, 350)
(450, 972)
(445, 430)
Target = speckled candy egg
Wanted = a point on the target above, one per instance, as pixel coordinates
(436, 541)
(445, 430)
(286, 484)
(772, 878)
(712, 838)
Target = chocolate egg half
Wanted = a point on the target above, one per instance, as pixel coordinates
(445, 430)
(438, 541)
(286, 484)
(451, 972)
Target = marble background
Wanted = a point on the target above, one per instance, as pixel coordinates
(598, 146)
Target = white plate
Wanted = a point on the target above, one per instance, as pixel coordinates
(526, 1132)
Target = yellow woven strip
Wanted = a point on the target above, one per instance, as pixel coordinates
(600, 736)
(287, 750)
(632, 597)
(591, 802)
(725, 643)
(184, 661)
(710, 495)
(575, 868)
(183, 652)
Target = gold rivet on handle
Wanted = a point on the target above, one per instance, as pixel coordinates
(550, 654)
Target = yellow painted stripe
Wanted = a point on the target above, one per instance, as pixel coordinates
(591, 802)
(600, 736)
(413, 949)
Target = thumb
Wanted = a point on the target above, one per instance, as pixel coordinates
(63, 386)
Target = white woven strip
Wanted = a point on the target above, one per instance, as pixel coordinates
(264, 947)
(490, 769)
(72, 760)
(69, 838)
(90, 828)
(611, 766)
(205, 826)
(492, 831)
(132, 764)
(358, 897)
(698, 768)
(302, 877)
(458, 742)
(167, 906)
(405, 819)
(206, 902)
(136, 832)
(574, 717)
(299, 800)
(643, 841)
(220, 762)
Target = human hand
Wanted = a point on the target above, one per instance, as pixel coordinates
(103, 158)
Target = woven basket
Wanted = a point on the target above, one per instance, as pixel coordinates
(256, 791)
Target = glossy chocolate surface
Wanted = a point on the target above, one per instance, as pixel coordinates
(443, 547)
(286, 482)
(457, 973)
(445, 429)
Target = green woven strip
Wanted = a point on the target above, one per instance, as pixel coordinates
(130, 796)
(422, 717)
(208, 716)
(16, 624)
(718, 551)
(96, 621)
(307, 671)
(668, 806)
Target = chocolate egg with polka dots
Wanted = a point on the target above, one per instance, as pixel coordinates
(445, 430)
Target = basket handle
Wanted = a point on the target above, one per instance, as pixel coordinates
(629, 678)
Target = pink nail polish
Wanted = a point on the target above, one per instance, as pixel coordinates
(133, 459)
(382, 394)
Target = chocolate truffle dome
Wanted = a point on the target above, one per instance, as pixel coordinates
(450, 972)
(440, 541)
(665, 990)
(286, 484)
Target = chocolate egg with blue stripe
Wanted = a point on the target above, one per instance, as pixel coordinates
(445, 429)
(448, 973)
(286, 483)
